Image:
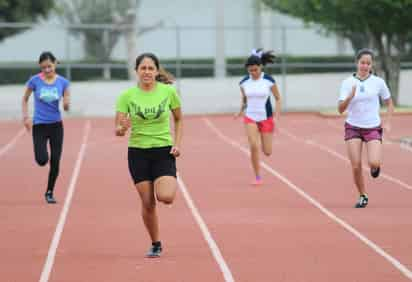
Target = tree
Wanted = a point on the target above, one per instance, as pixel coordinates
(22, 11)
(108, 20)
(384, 25)
(99, 37)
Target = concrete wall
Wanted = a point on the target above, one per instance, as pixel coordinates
(201, 96)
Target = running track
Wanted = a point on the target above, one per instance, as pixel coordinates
(298, 226)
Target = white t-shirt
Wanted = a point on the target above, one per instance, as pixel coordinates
(363, 109)
(258, 92)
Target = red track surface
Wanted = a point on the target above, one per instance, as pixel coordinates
(267, 233)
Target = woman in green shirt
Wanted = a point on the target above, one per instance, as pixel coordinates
(152, 153)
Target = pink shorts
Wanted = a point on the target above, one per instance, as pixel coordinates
(365, 134)
(264, 126)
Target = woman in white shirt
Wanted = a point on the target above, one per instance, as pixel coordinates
(256, 89)
(359, 95)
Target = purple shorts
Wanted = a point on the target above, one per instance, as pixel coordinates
(365, 134)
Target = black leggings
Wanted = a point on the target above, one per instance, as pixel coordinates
(52, 132)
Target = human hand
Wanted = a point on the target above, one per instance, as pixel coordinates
(237, 115)
(28, 124)
(66, 106)
(125, 123)
(175, 151)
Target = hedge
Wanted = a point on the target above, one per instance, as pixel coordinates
(190, 68)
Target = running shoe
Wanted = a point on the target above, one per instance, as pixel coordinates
(49, 198)
(258, 181)
(375, 171)
(155, 250)
(362, 202)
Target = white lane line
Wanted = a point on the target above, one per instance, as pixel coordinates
(288, 134)
(227, 274)
(12, 142)
(48, 265)
(343, 158)
(339, 156)
(396, 263)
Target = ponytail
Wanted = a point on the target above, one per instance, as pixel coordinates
(260, 57)
(165, 76)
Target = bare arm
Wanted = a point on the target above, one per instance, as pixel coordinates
(276, 94)
(243, 103)
(178, 125)
(122, 124)
(66, 100)
(343, 105)
(389, 112)
(25, 109)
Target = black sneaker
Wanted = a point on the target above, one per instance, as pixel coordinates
(362, 202)
(49, 198)
(155, 250)
(375, 171)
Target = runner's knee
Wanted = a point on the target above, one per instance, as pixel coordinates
(267, 152)
(42, 161)
(357, 167)
(166, 199)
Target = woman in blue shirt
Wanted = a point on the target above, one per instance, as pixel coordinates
(48, 89)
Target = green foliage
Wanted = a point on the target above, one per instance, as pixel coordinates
(391, 18)
(194, 68)
(22, 11)
(386, 16)
(384, 25)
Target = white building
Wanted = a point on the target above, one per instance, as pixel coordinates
(245, 28)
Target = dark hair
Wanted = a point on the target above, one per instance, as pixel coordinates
(46, 55)
(364, 51)
(263, 59)
(152, 56)
(163, 75)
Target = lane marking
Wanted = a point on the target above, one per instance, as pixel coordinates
(396, 263)
(48, 265)
(342, 157)
(12, 142)
(227, 274)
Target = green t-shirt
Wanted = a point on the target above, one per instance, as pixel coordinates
(149, 114)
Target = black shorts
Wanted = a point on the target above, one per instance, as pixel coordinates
(149, 164)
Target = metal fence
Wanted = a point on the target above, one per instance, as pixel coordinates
(187, 51)
(70, 42)
(99, 51)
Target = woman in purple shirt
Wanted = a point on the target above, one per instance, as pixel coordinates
(48, 89)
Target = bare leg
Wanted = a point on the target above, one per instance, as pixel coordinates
(252, 132)
(165, 188)
(374, 150)
(266, 139)
(149, 214)
(354, 147)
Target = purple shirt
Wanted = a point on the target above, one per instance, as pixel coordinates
(46, 98)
